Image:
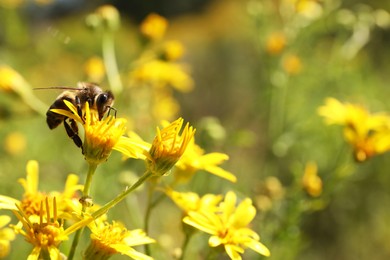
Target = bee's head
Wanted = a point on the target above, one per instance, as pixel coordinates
(103, 102)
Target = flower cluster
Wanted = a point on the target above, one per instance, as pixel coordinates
(49, 219)
(367, 133)
(226, 222)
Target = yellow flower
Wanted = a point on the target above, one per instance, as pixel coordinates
(190, 201)
(168, 146)
(369, 134)
(194, 159)
(292, 64)
(310, 9)
(160, 74)
(10, 79)
(228, 226)
(94, 69)
(275, 43)
(173, 50)
(6, 236)
(311, 182)
(165, 107)
(109, 15)
(47, 232)
(15, 143)
(154, 26)
(32, 197)
(109, 239)
(102, 136)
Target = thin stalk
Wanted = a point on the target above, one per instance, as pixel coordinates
(110, 63)
(122, 195)
(86, 192)
(185, 244)
(148, 213)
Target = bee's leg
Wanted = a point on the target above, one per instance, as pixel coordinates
(78, 106)
(109, 110)
(72, 131)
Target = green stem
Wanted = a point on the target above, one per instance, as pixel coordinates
(110, 62)
(121, 196)
(86, 192)
(185, 244)
(148, 213)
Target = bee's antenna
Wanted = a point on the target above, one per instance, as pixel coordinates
(63, 88)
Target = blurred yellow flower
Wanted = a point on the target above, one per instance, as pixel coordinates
(32, 197)
(109, 15)
(369, 134)
(15, 143)
(190, 201)
(173, 50)
(94, 69)
(154, 26)
(292, 64)
(168, 146)
(310, 9)
(275, 43)
(165, 107)
(228, 226)
(109, 239)
(6, 236)
(47, 232)
(102, 136)
(11, 4)
(194, 159)
(158, 73)
(311, 182)
(10, 79)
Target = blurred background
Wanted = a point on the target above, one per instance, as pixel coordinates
(249, 75)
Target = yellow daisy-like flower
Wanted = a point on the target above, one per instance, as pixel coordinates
(154, 26)
(168, 146)
(311, 182)
(109, 239)
(6, 236)
(369, 134)
(228, 226)
(160, 74)
(32, 197)
(45, 233)
(194, 159)
(102, 136)
(190, 201)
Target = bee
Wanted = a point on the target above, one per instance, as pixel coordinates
(98, 100)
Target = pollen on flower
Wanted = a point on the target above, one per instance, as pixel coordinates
(44, 234)
(100, 136)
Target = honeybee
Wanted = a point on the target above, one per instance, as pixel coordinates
(99, 100)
